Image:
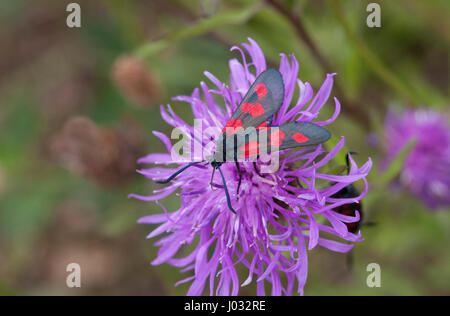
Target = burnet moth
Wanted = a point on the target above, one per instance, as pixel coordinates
(349, 209)
(256, 110)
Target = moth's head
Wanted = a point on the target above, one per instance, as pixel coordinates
(215, 164)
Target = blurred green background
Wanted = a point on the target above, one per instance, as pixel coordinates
(72, 126)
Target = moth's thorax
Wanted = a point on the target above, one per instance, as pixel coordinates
(216, 164)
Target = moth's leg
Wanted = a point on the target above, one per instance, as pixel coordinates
(212, 178)
(226, 192)
(238, 167)
(256, 169)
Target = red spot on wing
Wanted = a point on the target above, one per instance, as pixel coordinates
(229, 124)
(255, 109)
(246, 106)
(250, 149)
(237, 124)
(261, 90)
(346, 209)
(300, 138)
(350, 210)
(276, 138)
(232, 126)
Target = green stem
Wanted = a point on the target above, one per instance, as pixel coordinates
(204, 25)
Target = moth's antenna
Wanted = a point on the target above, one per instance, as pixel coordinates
(226, 192)
(178, 172)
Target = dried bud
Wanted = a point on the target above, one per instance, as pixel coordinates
(99, 153)
(136, 81)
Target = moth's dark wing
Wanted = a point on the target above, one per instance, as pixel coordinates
(296, 134)
(252, 142)
(232, 147)
(349, 209)
(262, 100)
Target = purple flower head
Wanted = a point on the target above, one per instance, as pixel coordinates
(280, 216)
(426, 171)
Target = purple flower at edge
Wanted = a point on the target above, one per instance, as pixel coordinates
(426, 171)
(277, 222)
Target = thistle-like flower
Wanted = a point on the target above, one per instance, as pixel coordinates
(426, 171)
(279, 216)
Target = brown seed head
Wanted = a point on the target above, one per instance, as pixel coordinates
(136, 81)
